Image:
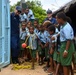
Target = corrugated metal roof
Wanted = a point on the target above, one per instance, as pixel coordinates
(66, 7)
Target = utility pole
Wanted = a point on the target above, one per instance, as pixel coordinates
(22, 1)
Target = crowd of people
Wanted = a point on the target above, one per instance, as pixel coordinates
(52, 41)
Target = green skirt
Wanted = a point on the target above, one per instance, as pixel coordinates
(75, 57)
(58, 58)
(68, 60)
(55, 55)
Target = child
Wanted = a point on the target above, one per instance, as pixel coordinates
(36, 31)
(32, 42)
(46, 24)
(29, 24)
(23, 35)
(53, 53)
(67, 46)
(42, 36)
(36, 26)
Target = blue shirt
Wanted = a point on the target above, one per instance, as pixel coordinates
(66, 32)
(47, 36)
(23, 34)
(15, 20)
(43, 36)
(23, 17)
(36, 31)
(53, 20)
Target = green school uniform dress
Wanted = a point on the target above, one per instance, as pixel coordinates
(66, 33)
(55, 52)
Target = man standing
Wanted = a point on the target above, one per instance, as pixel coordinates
(15, 20)
(50, 18)
(29, 14)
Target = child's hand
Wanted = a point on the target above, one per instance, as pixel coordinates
(41, 46)
(46, 44)
(65, 54)
(52, 38)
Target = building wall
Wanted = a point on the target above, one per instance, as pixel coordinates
(4, 33)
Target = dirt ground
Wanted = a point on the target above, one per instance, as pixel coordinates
(38, 71)
(7, 71)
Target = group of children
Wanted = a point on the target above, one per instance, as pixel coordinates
(46, 42)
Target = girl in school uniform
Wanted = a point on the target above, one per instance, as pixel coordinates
(66, 39)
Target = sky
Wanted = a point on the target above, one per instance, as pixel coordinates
(48, 4)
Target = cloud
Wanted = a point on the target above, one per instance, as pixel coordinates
(12, 2)
(51, 4)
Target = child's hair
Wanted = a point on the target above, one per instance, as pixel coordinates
(31, 27)
(69, 20)
(47, 24)
(52, 28)
(23, 23)
(61, 15)
(29, 22)
(36, 21)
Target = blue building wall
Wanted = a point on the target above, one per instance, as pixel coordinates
(4, 33)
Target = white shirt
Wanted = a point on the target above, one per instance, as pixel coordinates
(29, 13)
(23, 17)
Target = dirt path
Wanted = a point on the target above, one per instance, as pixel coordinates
(7, 71)
(38, 71)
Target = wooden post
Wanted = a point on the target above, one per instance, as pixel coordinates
(22, 1)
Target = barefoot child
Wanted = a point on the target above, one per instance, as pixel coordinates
(36, 31)
(66, 39)
(23, 35)
(32, 43)
(53, 52)
(42, 36)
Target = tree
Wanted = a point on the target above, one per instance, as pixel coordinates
(36, 7)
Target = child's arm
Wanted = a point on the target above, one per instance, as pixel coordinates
(46, 44)
(41, 45)
(51, 51)
(66, 49)
(54, 41)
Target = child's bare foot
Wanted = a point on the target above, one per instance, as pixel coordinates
(50, 70)
(75, 67)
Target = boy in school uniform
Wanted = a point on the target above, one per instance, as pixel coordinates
(29, 24)
(66, 39)
(23, 35)
(32, 43)
(36, 23)
(46, 24)
(42, 36)
(36, 31)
